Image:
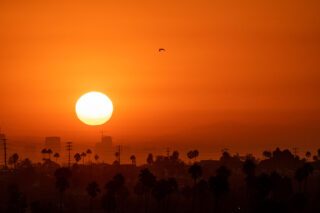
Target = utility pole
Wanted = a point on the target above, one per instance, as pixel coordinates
(69, 148)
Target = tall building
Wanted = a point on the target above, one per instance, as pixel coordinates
(104, 149)
(53, 143)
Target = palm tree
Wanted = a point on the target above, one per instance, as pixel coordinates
(302, 175)
(77, 157)
(196, 171)
(160, 192)
(249, 168)
(62, 175)
(175, 156)
(148, 180)
(315, 158)
(96, 157)
(299, 176)
(56, 156)
(219, 185)
(44, 152)
(133, 160)
(267, 154)
(14, 159)
(49, 152)
(89, 152)
(83, 155)
(195, 154)
(93, 190)
(190, 155)
(308, 155)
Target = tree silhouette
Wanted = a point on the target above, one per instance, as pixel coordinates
(133, 160)
(116, 192)
(14, 159)
(196, 171)
(150, 159)
(308, 155)
(190, 155)
(56, 156)
(49, 152)
(148, 181)
(16, 200)
(96, 157)
(83, 155)
(175, 156)
(93, 190)
(62, 175)
(219, 185)
(77, 157)
(89, 152)
(267, 154)
(195, 154)
(44, 152)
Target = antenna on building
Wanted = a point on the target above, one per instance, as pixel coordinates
(102, 133)
(69, 148)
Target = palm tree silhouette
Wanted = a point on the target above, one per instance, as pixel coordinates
(195, 154)
(219, 185)
(62, 175)
(93, 190)
(44, 152)
(196, 171)
(14, 159)
(56, 156)
(96, 157)
(148, 181)
(133, 160)
(83, 155)
(267, 154)
(89, 152)
(77, 157)
(308, 154)
(150, 159)
(190, 155)
(49, 152)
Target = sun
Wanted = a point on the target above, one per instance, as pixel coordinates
(94, 108)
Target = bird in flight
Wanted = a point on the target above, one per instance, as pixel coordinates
(162, 50)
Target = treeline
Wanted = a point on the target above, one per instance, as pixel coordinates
(282, 182)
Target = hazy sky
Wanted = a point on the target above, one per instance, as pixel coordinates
(235, 74)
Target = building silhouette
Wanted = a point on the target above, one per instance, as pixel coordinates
(104, 148)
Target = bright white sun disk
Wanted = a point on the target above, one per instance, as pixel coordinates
(94, 108)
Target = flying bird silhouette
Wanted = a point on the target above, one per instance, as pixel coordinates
(162, 50)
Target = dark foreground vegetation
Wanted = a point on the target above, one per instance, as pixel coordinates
(281, 182)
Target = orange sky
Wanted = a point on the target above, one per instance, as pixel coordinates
(236, 74)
